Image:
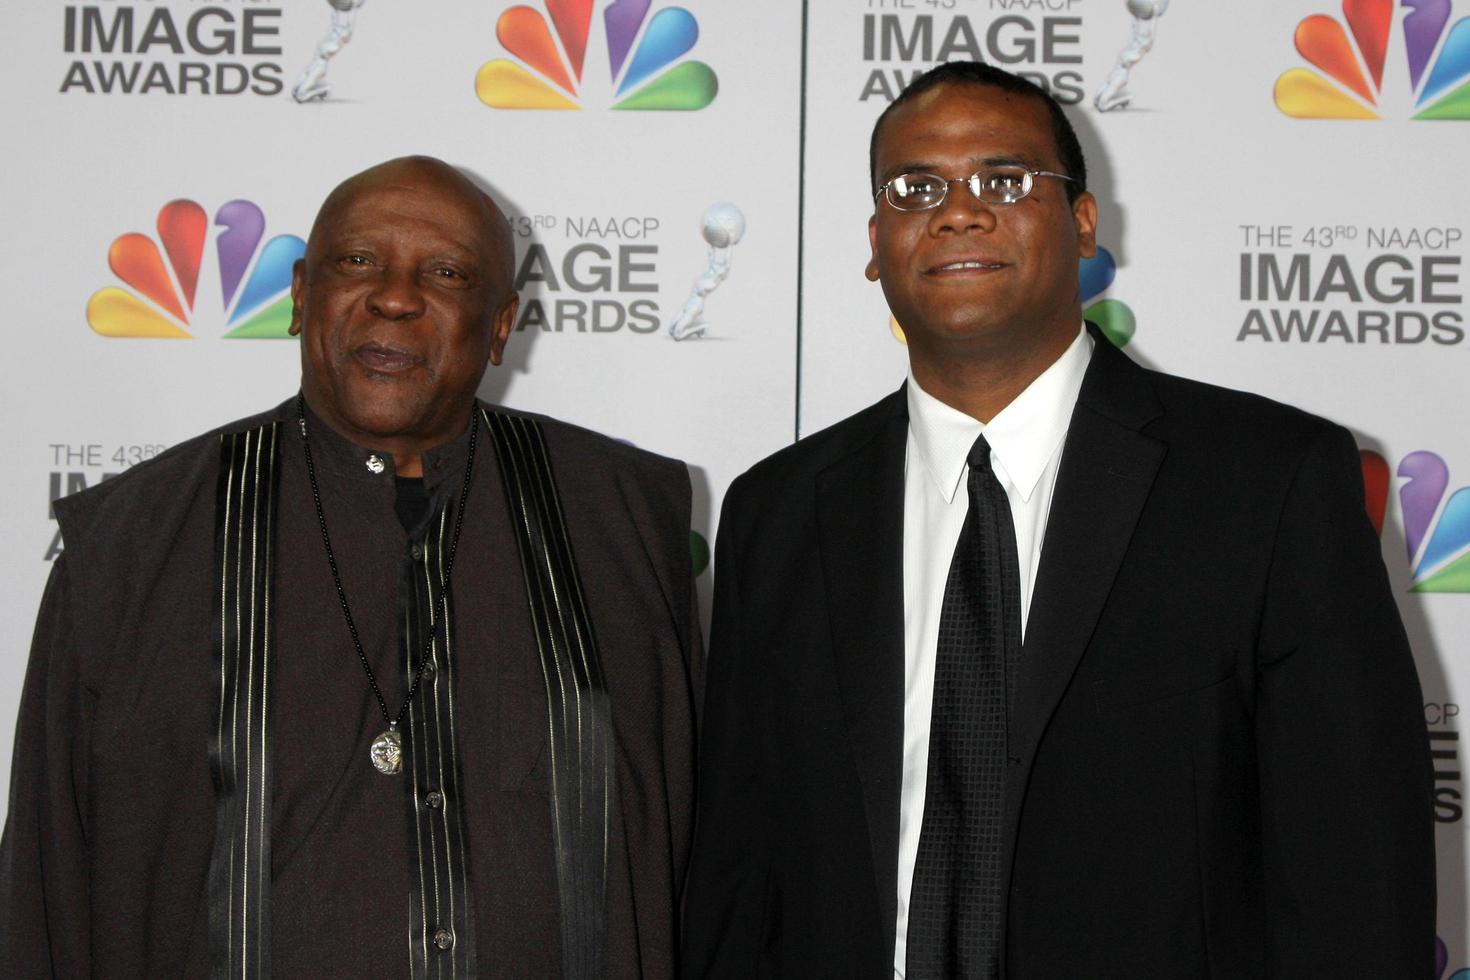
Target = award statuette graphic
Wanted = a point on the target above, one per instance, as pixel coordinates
(312, 86)
(724, 225)
(1146, 13)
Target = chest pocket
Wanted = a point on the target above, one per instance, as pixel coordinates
(1177, 677)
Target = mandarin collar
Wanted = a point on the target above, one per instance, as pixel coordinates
(340, 456)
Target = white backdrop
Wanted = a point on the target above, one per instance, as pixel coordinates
(1317, 260)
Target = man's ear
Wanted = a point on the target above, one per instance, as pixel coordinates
(1084, 213)
(298, 288)
(502, 325)
(871, 271)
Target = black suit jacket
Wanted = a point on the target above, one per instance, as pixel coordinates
(1220, 767)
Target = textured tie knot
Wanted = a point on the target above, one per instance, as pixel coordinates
(979, 456)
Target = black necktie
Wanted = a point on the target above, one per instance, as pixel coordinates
(954, 908)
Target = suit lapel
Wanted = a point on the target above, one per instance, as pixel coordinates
(860, 522)
(1107, 470)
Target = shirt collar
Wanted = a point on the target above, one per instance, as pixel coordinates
(337, 454)
(1022, 436)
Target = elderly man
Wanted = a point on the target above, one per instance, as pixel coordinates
(1047, 665)
(383, 682)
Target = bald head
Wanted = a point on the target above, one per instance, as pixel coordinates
(478, 208)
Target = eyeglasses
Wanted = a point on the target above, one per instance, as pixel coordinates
(993, 185)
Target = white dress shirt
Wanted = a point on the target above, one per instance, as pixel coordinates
(1025, 451)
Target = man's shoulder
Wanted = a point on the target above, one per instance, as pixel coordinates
(584, 457)
(1180, 410)
(804, 459)
(1224, 415)
(138, 496)
(614, 495)
(592, 448)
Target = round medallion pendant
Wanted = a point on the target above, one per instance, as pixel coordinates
(387, 752)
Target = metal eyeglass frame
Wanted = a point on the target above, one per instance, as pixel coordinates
(971, 182)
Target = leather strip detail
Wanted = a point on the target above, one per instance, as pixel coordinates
(239, 748)
(579, 722)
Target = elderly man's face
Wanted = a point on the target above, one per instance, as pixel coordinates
(400, 302)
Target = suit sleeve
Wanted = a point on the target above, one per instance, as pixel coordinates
(725, 896)
(1345, 773)
(44, 909)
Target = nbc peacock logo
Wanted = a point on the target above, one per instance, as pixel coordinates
(254, 279)
(1442, 963)
(549, 72)
(1112, 316)
(1436, 524)
(1350, 82)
